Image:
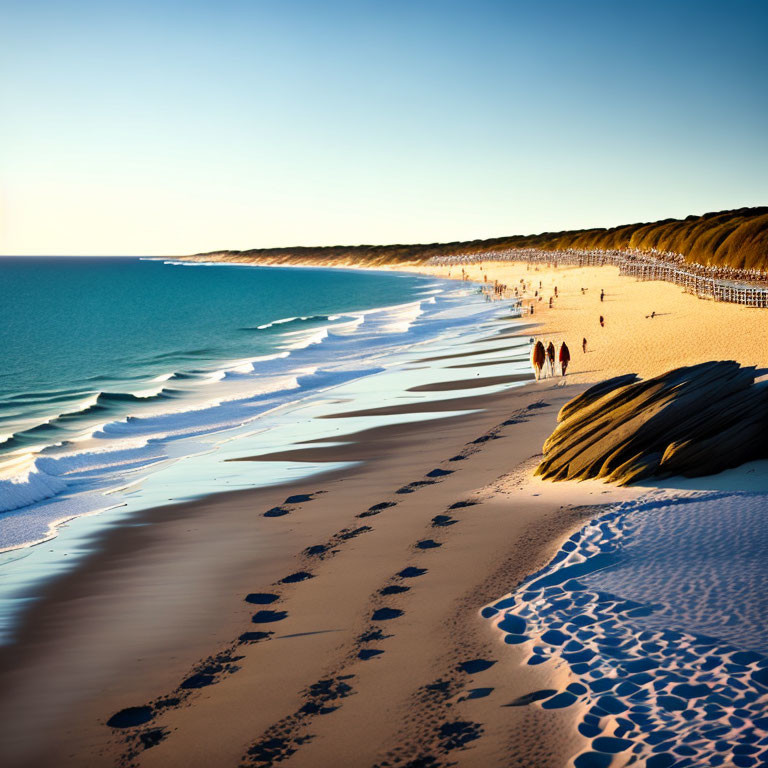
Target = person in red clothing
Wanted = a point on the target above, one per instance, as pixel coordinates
(565, 357)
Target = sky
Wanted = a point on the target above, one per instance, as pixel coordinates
(179, 126)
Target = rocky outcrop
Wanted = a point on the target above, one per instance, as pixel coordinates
(691, 421)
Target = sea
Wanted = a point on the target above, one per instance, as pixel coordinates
(127, 383)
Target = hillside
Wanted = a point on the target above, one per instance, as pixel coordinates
(737, 238)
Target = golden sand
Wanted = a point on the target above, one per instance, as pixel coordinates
(685, 330)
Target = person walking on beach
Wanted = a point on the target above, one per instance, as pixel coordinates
(565, 357)
(602, 294)
(538, 356)
(584, 345)
(602, 321)
(551, 358)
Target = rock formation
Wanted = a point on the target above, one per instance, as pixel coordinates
(692, 421)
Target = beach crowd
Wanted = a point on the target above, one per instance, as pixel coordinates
(740, 286)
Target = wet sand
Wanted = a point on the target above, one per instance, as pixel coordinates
(140, 616)
(485, 381)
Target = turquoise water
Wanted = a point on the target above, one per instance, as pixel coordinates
(76, 327)
(130, 383)
(118, 371)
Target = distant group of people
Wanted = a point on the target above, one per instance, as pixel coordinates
(543, 359)
(499, 289)
(737, 285)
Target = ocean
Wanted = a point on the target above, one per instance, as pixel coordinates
(127, 383)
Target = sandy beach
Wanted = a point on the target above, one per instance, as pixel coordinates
(684, 331)
(343, 627)
(384, 385)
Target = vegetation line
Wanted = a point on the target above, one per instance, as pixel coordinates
(737, 239)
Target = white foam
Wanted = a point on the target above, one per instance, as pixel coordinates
(280, 322)
(210, 405)
(27, 488)
(307, 338)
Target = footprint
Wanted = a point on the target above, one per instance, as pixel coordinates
(331, 689)
(457, 734)
(384, 614)
(266, 617)
(313, 708)
(377, 508)
(294, 578)
(462, 504)
(285, 737)
(316, 549)
(198, 680)
(369, 653)
(411, 487)
(411, 572)
(439, 472)
(269, 751)
(261, 598)
(443, 521)
(350, 534)
(382, 505)
(211, 671)
(427, 544)
(439, 686)
(276, 512)
(152, 737)
(254, 637)
(131, 717)
(299, 498)
(371, 635)
(458, 458)
(167, 703)
(395, 589)
(425, 761)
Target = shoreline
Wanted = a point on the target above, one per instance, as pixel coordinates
(108, 588)
(216, 411)
(685, 330)
(189, 566)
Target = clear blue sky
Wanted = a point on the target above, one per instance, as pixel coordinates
(171, 126)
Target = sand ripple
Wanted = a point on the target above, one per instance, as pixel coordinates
(657, 609)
